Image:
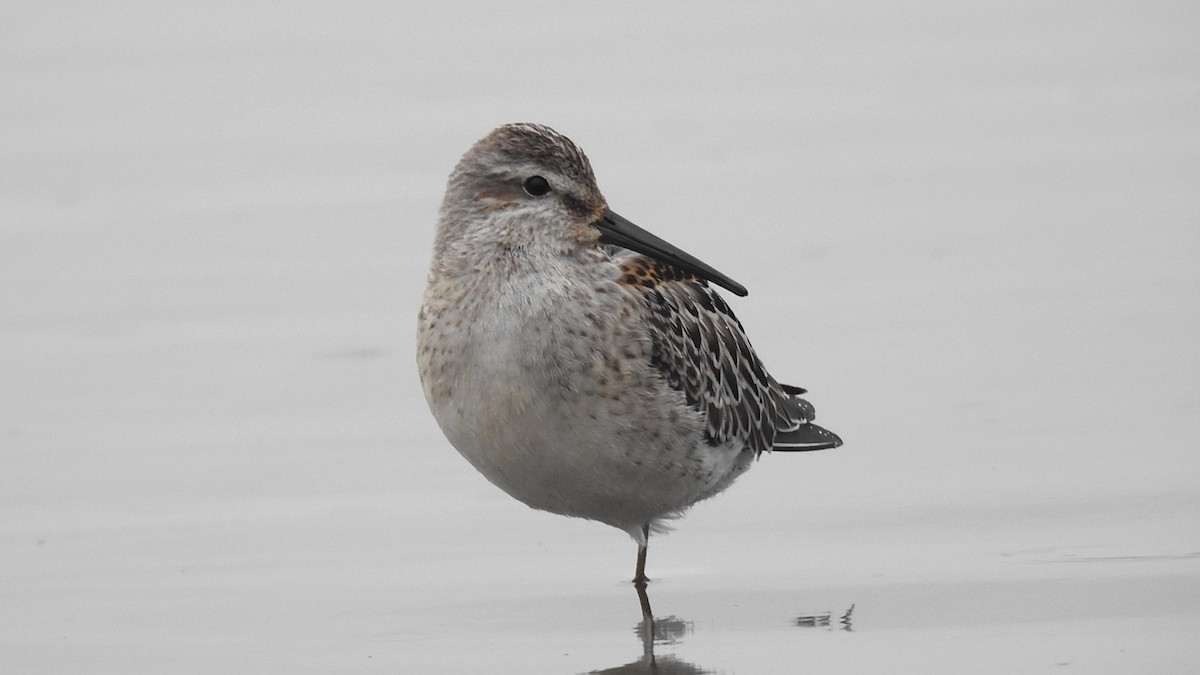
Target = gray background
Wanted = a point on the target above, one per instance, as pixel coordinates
(971, 231)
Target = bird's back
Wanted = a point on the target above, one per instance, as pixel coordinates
(701, 350)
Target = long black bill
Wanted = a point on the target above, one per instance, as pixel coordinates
(620, 232)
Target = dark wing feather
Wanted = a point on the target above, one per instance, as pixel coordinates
(701, 349)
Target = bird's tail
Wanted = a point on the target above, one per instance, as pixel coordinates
(805, 437)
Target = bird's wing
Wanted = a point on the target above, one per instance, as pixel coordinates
(701, 349)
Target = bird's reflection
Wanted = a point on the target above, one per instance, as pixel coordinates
(671, 630)
(666, 631)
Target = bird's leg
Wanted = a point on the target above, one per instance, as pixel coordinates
(639, 576)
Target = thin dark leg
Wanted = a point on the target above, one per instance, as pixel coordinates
(639, 576)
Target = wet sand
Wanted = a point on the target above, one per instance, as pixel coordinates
(970, 234)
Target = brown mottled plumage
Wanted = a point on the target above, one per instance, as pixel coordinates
(582, 364)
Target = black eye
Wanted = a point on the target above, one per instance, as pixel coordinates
(536, 186)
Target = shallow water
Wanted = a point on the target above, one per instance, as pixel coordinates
(971, 233)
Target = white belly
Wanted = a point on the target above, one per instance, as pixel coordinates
(561, 428)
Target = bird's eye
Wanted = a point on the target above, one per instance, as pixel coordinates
(536, 186)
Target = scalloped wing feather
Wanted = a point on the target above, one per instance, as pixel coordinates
(701, 349)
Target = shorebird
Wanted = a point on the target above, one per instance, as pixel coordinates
(580, 363)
